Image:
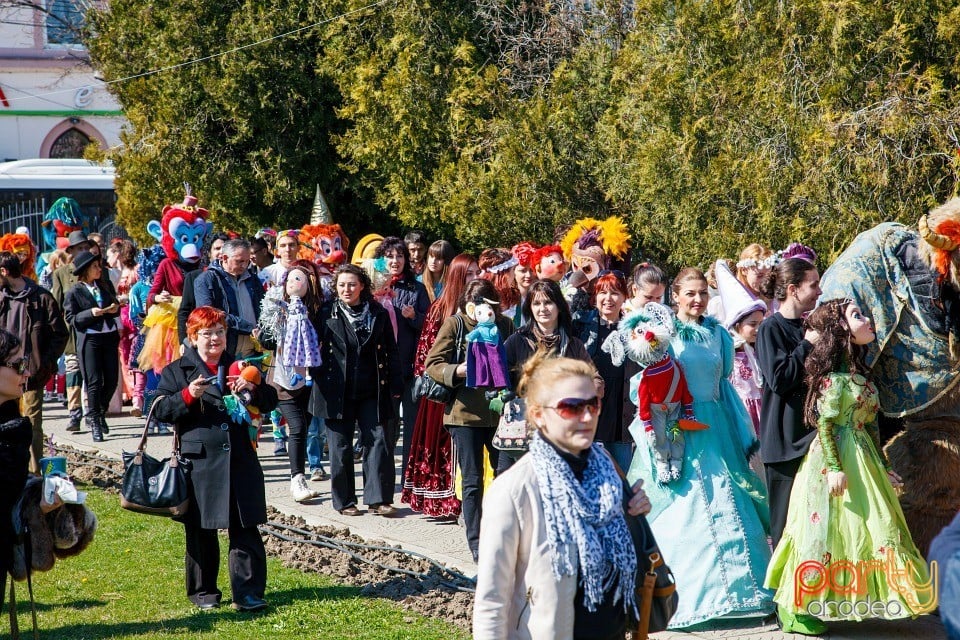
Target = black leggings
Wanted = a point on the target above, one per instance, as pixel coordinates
(100, 366)
(297, 415)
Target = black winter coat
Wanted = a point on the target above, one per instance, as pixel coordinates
(413, 293)
(224, 461)
(341, 357)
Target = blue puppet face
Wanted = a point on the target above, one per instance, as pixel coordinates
(188, 238)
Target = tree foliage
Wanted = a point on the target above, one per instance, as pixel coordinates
(707, 125)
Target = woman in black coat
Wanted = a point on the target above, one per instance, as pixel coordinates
(15, 438)
(358, 384)
(226, 481)
(92, 311)
(409, 301)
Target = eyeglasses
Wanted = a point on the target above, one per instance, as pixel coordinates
(212, 333)
(19, 365)
(616, 272)
(574, 408)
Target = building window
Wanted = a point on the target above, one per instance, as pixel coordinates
(70, 144)
(64, 21)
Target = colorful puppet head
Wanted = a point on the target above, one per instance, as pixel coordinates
(21, 246)
(182, 229)
(548, 263)
(324, 244)
(590, 244)
(62, 218)
(643, 336)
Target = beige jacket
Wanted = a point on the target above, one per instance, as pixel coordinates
(517, 596)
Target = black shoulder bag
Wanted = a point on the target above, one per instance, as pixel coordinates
(425, 387)
(151, 486)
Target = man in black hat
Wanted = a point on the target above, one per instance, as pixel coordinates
(63, 281)
(29, 312)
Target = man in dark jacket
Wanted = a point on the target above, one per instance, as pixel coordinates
(29, 312)
(232, 288)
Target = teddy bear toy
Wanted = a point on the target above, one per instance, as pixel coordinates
(486, 357)
(664, 403)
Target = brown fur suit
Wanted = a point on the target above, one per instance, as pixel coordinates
(61, 533)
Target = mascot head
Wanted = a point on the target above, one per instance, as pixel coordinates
(182, 229)
(590, 244)
(62, 218)
(940, 232)
(324, 244)
(21, 246)
(548, 263)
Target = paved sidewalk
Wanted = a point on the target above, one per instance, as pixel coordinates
(443, 541)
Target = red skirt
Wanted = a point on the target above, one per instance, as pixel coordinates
(428, 483)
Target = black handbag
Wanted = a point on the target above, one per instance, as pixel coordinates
(656, 589)
(425, 387)
(151, 486)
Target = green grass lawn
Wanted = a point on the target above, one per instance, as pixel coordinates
(129, 584)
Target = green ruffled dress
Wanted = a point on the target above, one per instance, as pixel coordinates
(849, 557)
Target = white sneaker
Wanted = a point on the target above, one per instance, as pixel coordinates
(299, 489)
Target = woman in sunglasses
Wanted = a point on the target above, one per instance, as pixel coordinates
(556, 557)
(712, 521)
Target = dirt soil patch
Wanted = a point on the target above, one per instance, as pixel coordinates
(430, 591)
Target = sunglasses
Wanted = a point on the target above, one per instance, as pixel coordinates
(19, 365)
(615, 272)
(573, 408)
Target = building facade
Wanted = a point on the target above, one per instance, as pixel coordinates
(51, 103)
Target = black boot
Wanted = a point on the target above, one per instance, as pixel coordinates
(75, 417)
(103, 425)
(93, 423)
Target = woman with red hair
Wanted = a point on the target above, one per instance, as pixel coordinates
(226, 481)
(428, 481)
(496, 265)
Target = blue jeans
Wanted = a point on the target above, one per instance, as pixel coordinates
(316, 436)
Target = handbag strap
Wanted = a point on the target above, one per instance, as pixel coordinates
(146, 429)
(458, 337)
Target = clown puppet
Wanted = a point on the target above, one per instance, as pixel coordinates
(548, 263)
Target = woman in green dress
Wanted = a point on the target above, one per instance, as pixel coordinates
(846, 552)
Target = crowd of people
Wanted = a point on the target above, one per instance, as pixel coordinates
(775, 455)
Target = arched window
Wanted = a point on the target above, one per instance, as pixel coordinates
(70, 144)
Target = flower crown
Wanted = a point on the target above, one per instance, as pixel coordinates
(503, 266)
(766, 263)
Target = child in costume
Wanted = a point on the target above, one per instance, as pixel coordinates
(147, 262)
(846, 546)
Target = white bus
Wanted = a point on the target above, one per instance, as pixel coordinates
(29, 187)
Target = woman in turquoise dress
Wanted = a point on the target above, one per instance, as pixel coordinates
(711, 522)
(846, 552)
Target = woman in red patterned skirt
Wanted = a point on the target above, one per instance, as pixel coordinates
(428, 482)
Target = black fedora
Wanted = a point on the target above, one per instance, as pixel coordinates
(83, 260)
(76, 238)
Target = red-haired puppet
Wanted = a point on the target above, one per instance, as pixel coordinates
(21, 246)
(548, 263)
(323, 242)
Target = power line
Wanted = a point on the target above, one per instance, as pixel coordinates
(214, 55)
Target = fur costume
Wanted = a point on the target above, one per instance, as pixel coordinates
(908, 282)
(61, 533)
(662, 394)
